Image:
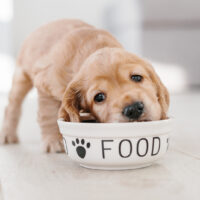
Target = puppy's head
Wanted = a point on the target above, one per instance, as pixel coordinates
(116, 86)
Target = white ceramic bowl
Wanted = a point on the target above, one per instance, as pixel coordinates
(114, 146)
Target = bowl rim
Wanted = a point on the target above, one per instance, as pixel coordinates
(143, 123)
(97, 130)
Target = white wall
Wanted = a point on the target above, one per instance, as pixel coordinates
(30, 14)
(172, 35)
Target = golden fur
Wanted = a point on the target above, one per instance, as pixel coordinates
(69, 61)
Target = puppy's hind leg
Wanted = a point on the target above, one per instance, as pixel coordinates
(20, 86)
(47, 118)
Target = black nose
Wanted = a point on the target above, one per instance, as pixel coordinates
(133, 111)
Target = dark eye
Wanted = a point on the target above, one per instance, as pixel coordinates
(136, 78)
(99, 97)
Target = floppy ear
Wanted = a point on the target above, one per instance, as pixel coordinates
(162, 93)
(70, 107)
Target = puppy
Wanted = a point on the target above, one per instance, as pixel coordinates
(76, 67)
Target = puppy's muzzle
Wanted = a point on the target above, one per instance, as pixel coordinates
(134, 110)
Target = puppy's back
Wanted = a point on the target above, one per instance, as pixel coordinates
(42, 40)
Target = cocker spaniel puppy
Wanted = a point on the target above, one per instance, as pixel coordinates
(78, 68)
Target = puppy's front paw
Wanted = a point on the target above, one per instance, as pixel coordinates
(8, 138)
(53, 145)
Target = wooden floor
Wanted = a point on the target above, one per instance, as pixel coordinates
(28, 174)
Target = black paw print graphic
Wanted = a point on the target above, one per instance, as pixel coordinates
(81, 148)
